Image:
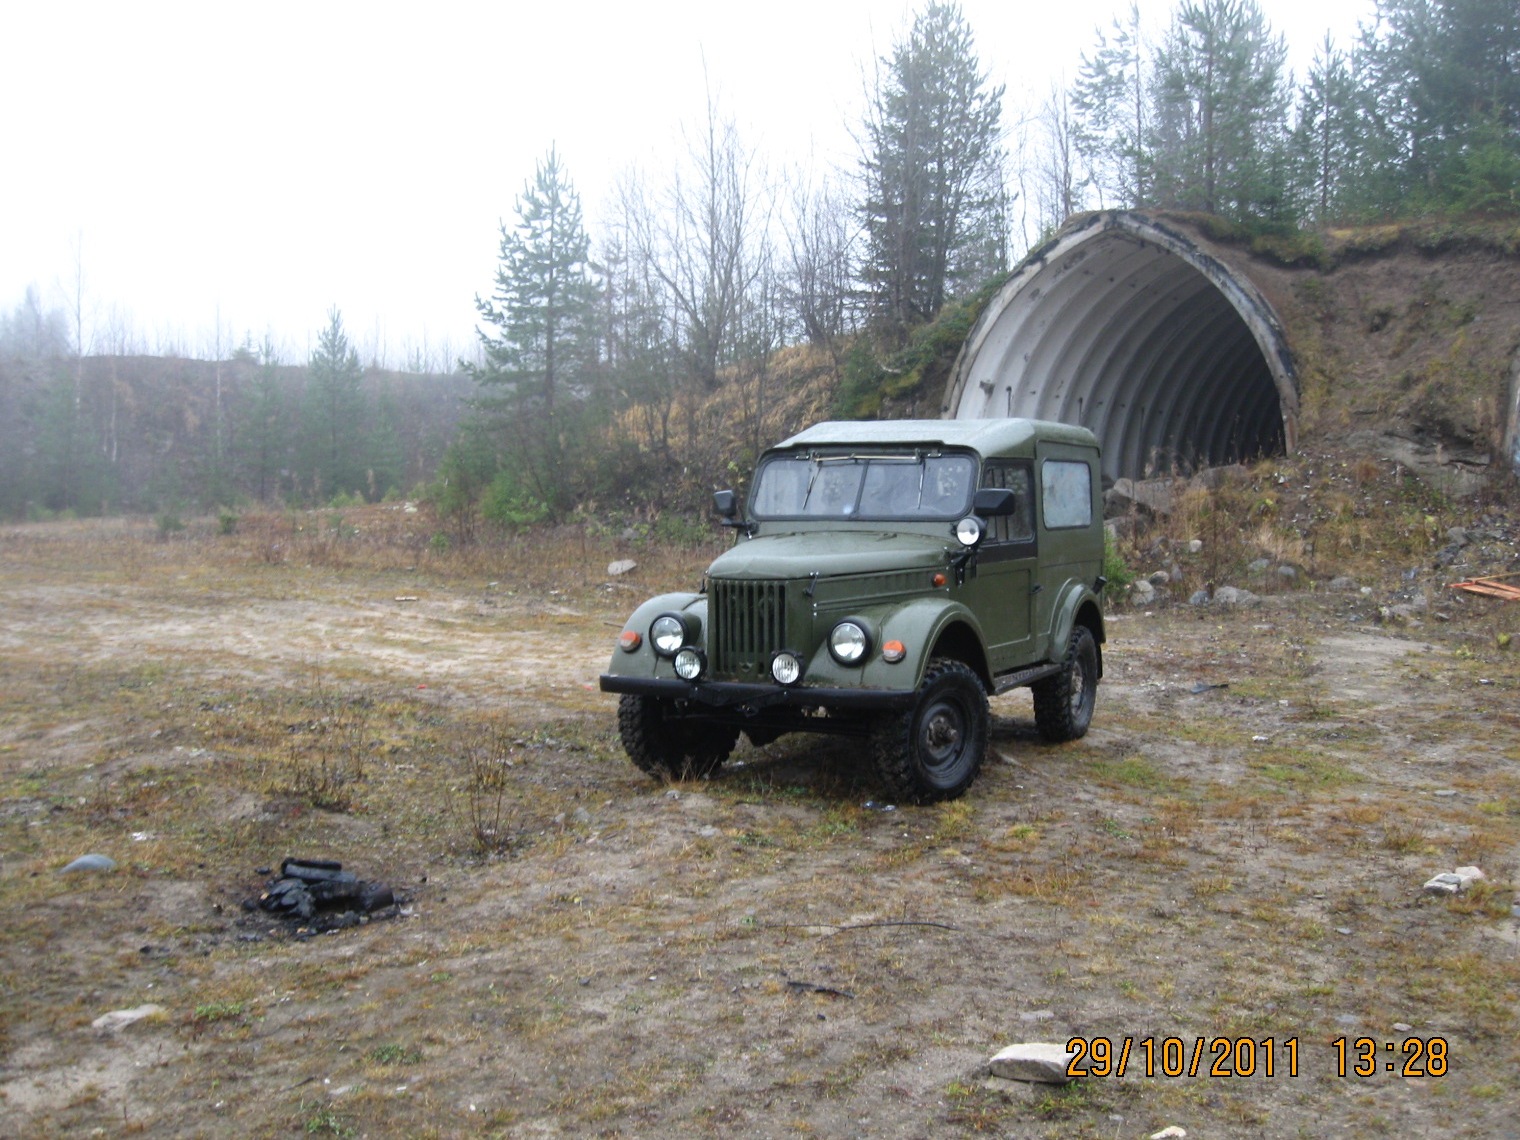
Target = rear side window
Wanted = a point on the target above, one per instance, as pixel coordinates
(1067, 493)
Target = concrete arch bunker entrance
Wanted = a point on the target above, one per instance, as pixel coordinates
(1127, 326)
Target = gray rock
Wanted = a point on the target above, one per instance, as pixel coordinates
(1342, 584)
(1443, 884)
(1037, 1015)
(1469, 876)
(1234, 596)
(1175, 1132)
(1402, 1027)
(620, 567)
(1041, 1061)
(1259, 566)
(121, 1018)
(1458, 536)
(90, 863)
(1195, 545)
(1199, 598)
(1287, 573)
(1159, 578)
(1141, 592)
(1152, 495)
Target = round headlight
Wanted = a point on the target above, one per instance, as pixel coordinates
(667, 634)
(786, 668)
(689, 664)
(849, 643)
(969, 530)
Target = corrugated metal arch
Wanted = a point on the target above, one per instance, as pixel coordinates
(1127, 326)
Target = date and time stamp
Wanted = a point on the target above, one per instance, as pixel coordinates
(1349, 1057)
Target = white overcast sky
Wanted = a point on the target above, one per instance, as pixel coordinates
(250, 165)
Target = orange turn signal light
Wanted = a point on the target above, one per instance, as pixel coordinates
(893, 652)
(939, 580)
(629, 640)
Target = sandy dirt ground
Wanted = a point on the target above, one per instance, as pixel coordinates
(774, 952)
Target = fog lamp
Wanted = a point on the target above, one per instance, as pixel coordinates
(786, 668)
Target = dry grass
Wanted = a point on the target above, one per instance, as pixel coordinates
(592, 951)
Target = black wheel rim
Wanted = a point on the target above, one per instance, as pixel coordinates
(1078, 694)
(943, 736)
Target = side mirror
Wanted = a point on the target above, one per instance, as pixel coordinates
(726, 503)
(990, 502)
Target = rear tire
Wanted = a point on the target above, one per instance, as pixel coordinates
(1063, 704)
(669, 746)
(933, 751)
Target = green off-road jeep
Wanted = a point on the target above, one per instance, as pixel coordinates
(887, 577)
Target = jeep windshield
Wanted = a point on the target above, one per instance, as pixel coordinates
(880, 487)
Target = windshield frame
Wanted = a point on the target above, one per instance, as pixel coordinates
(878, 484)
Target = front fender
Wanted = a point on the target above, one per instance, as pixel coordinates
(643, 661)
(919, 625)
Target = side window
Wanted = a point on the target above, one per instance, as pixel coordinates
(1019, 526)
(1067, 495)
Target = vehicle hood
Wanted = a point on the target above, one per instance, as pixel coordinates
(829, 553)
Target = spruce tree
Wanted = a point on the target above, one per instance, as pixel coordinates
(334, 406)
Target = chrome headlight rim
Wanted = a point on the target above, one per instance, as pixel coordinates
(786, 667)
(669, 633)
(850, 642)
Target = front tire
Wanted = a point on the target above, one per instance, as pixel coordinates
(1063, 704)
(669, 746)
(934, 750)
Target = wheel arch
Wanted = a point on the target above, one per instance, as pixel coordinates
(959, 640)
(1081, 608)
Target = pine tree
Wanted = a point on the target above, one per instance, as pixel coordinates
(1221, 100)
(1327, 137)
(1443, 80)
(930, 172)
(1111, 105)
(539, 342)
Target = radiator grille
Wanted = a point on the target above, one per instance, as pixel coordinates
(748, 621)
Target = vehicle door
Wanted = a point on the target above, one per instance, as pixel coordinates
(1005, 567)
(1069, 508)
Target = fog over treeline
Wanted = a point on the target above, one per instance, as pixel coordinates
(598, 348)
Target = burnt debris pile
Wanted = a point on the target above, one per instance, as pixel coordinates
(319, 895)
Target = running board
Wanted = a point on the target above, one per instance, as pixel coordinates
(1023, 677)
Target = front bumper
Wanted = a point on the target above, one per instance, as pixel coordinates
(753, 697)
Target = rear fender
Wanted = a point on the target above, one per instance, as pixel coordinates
(1077, 606)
